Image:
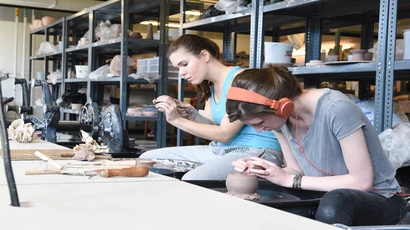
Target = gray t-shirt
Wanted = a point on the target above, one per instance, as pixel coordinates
(336, 117)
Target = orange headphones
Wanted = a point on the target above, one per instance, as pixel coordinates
(283, 107)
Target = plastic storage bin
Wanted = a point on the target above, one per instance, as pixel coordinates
(150, 66)
(81, 71)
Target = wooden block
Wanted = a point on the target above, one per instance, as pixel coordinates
(28, 154)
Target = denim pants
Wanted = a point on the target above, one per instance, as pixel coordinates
(216, 161)
(357, 208)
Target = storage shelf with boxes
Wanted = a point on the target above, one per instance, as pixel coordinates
(150, 67)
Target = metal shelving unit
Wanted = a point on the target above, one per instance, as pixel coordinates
(313, 17)
(52, 60)
(124, 12)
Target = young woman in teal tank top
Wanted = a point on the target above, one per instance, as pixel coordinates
(200, 62)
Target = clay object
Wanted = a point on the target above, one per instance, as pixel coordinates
(331, 58)
(241, 184)
(150, 33)
(368, 56)
(135, 35)
(358, 55)
(47, 20)
(315, 63)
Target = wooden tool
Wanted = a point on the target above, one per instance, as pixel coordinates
(259, 156)
(123, 164)
(48, 159)
(138, 171)
(40, 171)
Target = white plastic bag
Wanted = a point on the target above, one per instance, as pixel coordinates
(102, 71)
(46, 47)
(396, 144)
(231, 6)
(106, 31)
(399, 50)
(54, 76)
(115, 66)
(367, 106)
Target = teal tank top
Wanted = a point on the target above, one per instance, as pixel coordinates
(247, 135)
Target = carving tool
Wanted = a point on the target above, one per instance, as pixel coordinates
(138, 171)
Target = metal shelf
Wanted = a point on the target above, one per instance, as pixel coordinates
(76, 80)
(335, 69)
(54, 28)
(54, 55)
(140, 46)
(82, 48)
(220, 23)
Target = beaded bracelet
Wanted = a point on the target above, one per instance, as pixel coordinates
(297, 181)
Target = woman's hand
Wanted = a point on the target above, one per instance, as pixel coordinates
(264, 169)
(168, 106)
(187, 111)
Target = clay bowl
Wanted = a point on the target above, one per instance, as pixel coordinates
(47, 20)
(358, 55)
(241, 184)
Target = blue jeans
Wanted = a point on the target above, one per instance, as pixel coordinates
(357, 208)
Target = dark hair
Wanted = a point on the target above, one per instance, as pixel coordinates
(194, 44)
(274, 82)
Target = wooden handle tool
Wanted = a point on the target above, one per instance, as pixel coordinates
(48, 159)
(129, 163)
(138, 171)
(41, 171)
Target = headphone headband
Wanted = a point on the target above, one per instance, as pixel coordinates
(283, 107)
(239, 94)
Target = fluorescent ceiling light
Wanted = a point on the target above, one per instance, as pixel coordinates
(192, 12)
(155, 23)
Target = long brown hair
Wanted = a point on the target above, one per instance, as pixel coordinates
(274, 82)
(194, 44)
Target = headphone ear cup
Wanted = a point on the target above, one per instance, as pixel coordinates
(286, 107)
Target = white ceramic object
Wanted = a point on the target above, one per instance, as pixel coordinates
(40, 75)
(76, 106)
(331, 58)
(81, 71)
(278, 52)
(406, 39)
(315, 63)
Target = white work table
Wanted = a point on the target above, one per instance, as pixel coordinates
(164, 205)
(153, 202)
(19, 168)
(36, 144)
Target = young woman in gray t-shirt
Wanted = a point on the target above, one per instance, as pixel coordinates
(328, 145)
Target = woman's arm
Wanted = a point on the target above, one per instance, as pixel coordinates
(292, 166)
(358, 163)
(221, 133)
(356, 157)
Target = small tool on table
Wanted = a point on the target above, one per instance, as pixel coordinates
(259, 156)
(104, 169)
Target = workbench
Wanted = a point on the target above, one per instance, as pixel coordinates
(152, 202)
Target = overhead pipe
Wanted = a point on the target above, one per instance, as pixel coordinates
(16, 27)
(23, 58)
